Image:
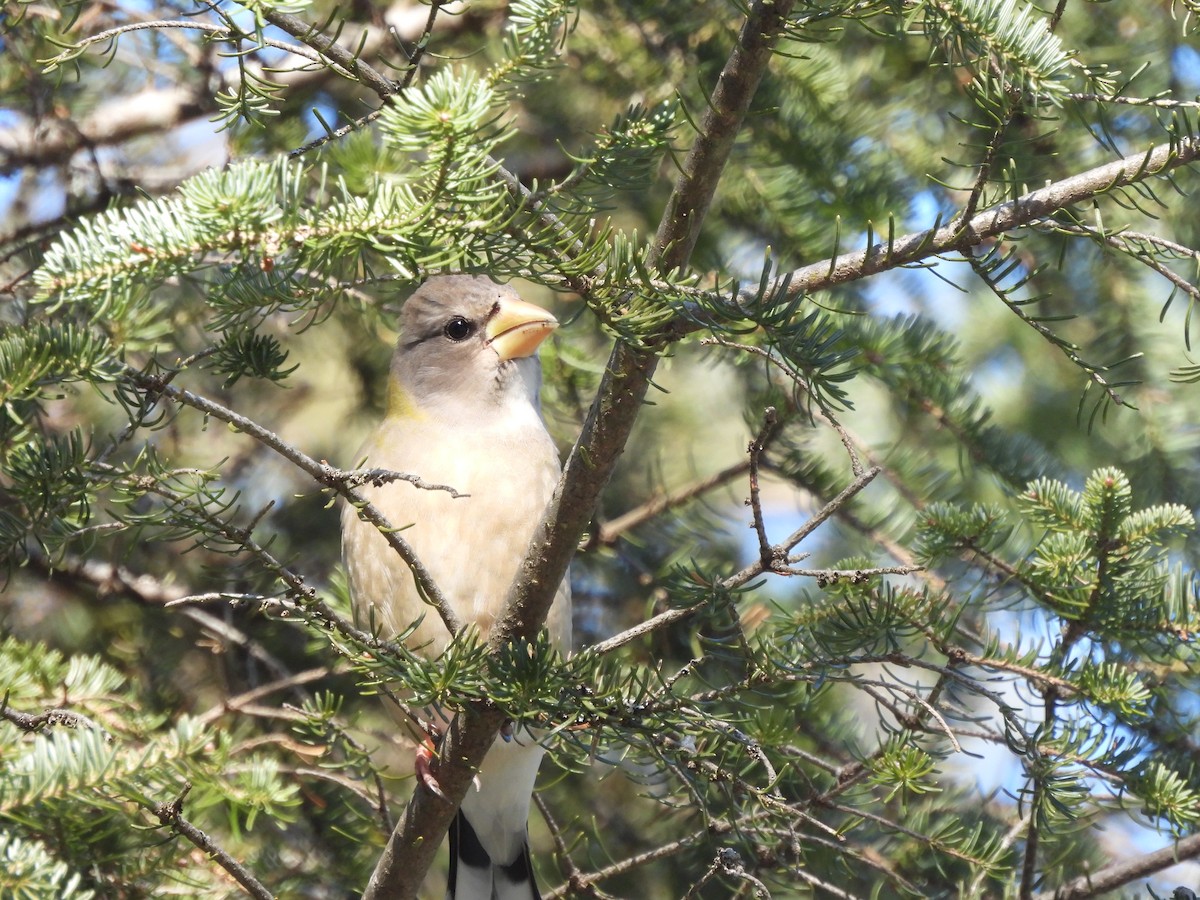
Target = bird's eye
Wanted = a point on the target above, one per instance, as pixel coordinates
(459, 329)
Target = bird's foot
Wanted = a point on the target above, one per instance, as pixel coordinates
(426, 753)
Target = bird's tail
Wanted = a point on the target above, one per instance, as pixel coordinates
(474, 875)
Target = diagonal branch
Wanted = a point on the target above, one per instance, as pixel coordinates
(746, 575)
(351, 62)
(610, 532)
(1028, 209)
(341, 482)
(1122, 873)
(108, 580)
(171, 816)
(161, 109)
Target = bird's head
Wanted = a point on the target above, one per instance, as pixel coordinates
(466, 345)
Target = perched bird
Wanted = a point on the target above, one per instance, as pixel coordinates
(463, 410)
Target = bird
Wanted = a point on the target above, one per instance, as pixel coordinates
(463, 409)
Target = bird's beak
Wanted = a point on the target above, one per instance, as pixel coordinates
(518, 328)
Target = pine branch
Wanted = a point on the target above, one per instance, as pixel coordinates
(154, 111)
(769, 556)
(1141, 247)
(1149, 102)
(414, 66)
(246, 698)
(743, 577)
(108, 579)
(301, 599)
(940, 846)
(49, 718)
(222, 32)
(1122, 873)
(329, 49)
(1033, 208)
(1005, 39)
(171, 815)
(337, 480)
(991, 272)
(586, 883)
(728, 862)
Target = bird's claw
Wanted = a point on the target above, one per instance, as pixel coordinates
(423, 763)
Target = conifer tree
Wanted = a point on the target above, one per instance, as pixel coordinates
(874, 391)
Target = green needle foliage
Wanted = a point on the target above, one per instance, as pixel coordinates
(893, 589)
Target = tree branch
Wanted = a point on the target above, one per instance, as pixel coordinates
(750, 572)
(341, 482)
(159, 110)
(171, 815)
(610, 532)
(108, 579)
(328, 48)
(766, 553)
(1028, 209)
(26, 143)
(49, 718)
(1112, 877)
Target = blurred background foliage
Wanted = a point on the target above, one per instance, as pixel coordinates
(825, 728)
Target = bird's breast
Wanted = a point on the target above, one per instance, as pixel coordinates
(472, 545)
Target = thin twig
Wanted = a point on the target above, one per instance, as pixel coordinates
(410, 73)
(666, 851)
(235, 704)
(826, 577)
(561, 851)
(329, 49)
(1070, 351)
(220, 31)
(985, 167)
(380, 797)
(338, 480)
(613, 529)
(108, 579)
(377, 477)
(822, 515)
(831, 889)
(738, 579)
(50, 718)
(1124, 872)
(171, 815)
(823, 412)
(728, 862)
(868, 856)
(302, 599)
(767, 554)
(1152, 102)
(1123, 242)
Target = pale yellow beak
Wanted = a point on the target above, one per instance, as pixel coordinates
(518, 329)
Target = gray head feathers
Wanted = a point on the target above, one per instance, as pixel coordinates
(465, 347)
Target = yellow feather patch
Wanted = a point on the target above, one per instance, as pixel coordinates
(400, 404)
